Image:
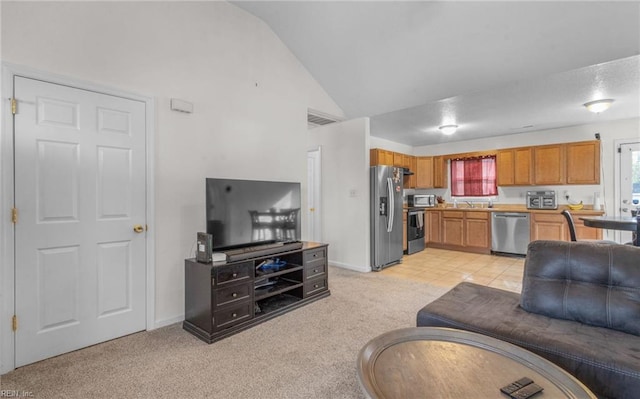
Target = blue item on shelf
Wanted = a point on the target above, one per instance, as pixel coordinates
(271, 265)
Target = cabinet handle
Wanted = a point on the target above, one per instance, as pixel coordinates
(316, 286)
(234, 295)
(234, 315)
(315, 270)
(234, 275)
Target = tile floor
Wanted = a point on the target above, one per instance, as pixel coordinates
(447, 268)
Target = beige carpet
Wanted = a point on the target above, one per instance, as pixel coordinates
(308, 353)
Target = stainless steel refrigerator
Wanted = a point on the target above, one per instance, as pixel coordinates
(386, 216)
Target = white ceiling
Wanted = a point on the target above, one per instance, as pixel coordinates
(490, 67)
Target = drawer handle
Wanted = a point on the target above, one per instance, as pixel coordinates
(315, 255)
(234, 275)
(234, 315)
(315, 270)
(234, 295)
(316, 286)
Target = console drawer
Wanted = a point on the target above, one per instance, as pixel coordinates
(315, 254)
(232, 315)
(234, 293)
(233, 273)
(314, 286)
(315, 268)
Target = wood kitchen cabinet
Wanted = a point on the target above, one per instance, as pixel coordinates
(553, 226)
(398, 159)
(431, 172)
(583, 162)
(477, 230)
(439, 172)
(549, 164)
(409, 162)
(432, 233)
(460, 230)
(378, 156)
(453, 228)
(514, 167)
(424, 172)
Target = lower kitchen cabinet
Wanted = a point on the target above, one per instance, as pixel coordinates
(470, 230)
(477, 228)
(553, 226)
(453, 228)
(432, 233)
(460, 230)
(546, 226)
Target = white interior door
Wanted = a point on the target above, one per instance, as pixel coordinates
(629, 181)
(79, 190)
(314, 228)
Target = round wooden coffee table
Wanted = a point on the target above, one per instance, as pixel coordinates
(430, 362)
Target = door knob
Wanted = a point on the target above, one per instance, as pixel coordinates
(138, 228)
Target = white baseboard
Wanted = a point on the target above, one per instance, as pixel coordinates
(356, 268)
(167, 322)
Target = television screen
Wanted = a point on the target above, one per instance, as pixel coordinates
(250, 212)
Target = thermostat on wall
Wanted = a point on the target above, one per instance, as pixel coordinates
(181, 106)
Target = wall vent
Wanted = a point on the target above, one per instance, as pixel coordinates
(317, 118)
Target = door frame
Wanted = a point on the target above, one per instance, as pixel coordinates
(7, 232)
(317, 190)
(617, 194)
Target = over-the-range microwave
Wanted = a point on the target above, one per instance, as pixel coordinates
(421, 200)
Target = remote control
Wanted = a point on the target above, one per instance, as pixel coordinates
(514, 386)
(527, 392)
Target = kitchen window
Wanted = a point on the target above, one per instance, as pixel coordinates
(474, 177)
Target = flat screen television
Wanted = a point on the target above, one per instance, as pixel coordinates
(244, 213)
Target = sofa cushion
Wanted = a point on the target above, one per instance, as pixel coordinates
(596, 284)
(606, 361)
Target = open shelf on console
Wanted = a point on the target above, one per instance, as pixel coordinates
(288, 268)
(277, 302)
(281, 285)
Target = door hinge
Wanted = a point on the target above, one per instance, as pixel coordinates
(14, 106)
(14, 323)
(14, 215)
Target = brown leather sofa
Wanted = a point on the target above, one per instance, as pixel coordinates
(579, 308)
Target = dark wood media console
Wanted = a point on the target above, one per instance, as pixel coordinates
(223, 299)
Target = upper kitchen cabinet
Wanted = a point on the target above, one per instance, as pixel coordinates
(398, 159)
(379, 156)
(424, 172)
(583, 162)
(549, 164)
(431, 172)
(409, 162)
(439, 172)
(515, 167)
(570, 163)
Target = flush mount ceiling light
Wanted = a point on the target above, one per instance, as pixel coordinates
(598, 105)
(448, 129)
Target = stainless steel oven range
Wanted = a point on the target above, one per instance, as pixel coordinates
(415, 231)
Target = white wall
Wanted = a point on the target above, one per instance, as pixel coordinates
(345, 191)
(250, 98)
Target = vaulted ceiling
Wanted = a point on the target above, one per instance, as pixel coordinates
(492, 68)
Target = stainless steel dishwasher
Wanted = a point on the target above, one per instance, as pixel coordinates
(510, 232)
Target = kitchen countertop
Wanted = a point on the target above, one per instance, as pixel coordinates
(587, 210)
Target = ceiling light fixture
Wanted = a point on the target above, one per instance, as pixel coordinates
(448, 129)
(598, 105)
